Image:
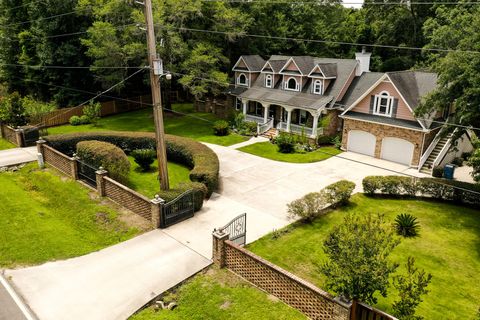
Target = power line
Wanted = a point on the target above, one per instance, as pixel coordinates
(338, 104)
(242, 34)
(65, 67)
(325, 3)
(45, 18)
(24, 5)
(96, 96)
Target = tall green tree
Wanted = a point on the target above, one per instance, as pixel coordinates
(31, 37)
(358, 250)
(459, 80)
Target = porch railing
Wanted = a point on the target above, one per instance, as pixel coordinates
(257, 119)
(264, 127)
(295, 128)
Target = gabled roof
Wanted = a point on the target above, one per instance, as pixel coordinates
(413, 85)
(273, 65)
(305, 64)
(360, 85)
(254, 63)
(327, 70)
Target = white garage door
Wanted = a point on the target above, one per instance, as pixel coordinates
(397, 150)
(361, 142)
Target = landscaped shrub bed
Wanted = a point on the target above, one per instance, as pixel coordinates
(202, 161)
(106, 155)
(450, 190)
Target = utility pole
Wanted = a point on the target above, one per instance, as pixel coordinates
(156, 70)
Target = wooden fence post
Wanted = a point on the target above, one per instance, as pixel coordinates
(219, 238)
(353, 310)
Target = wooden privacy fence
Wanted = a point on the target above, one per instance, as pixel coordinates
(296, 292)
(62, 116)
(157, 211)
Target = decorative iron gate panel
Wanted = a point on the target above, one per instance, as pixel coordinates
(237, 229)
(30, 136)
(87, 173)
(179, 209)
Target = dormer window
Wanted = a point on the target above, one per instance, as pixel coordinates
(268, 81)
(318, 87)
(383, 104)
(292, 84)
(242, 79)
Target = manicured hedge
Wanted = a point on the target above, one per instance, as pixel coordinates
(450, 190)
(202, 161)
(106, 155)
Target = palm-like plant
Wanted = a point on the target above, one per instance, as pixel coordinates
(406, 225)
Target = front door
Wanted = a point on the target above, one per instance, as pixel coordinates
(272, 113)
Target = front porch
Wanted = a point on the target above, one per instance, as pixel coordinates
(284, 118)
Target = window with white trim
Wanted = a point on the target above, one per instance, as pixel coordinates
(242, 79)
(268, 81)
(292, 84)
(383, 104)
(318, 87)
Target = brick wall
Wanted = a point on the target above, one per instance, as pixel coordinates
(58, 160)
(299, 294)
(128, 198)
(9, 134)
(383, 131)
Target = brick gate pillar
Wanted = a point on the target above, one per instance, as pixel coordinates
(100, 173)
(219, 238)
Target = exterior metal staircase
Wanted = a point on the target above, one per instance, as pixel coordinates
(427, 167)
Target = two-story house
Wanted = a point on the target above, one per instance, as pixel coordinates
(291, 93)
(374, 111)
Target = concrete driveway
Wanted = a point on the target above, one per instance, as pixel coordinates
(110, 284)
(113, 283)
(262, 188)
(16, 156)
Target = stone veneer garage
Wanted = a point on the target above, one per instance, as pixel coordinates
(386, 133)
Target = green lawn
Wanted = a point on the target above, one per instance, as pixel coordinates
(44, 217)
(219, 294)
(270, 151)
(197, 125)
(448, 247)
(4, 144)
(147, 183)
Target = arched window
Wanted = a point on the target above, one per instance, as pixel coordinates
(318, 87)
(242, 79)
(292, 84)
(268, 81)
(383, 104)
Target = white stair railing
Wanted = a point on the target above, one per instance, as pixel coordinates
(430, 149)
(444, 151)
(264, 127)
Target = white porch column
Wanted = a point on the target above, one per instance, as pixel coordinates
(245, 104)
(315, 125)
(289, 118)
(266, 107)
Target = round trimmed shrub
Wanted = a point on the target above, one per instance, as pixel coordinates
(106, 155)
(144, 158)
(220, 128)
(85, 120)
(285, 143)
(202, 161)
(75, 121)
